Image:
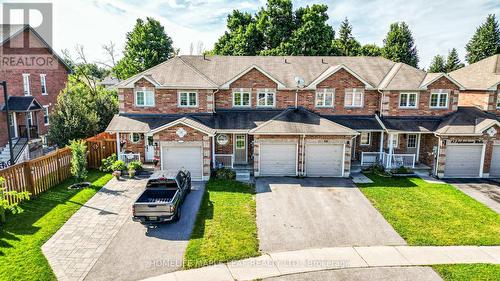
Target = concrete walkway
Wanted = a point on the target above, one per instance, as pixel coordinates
(310, 260)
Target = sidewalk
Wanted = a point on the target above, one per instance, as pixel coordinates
(276, 264)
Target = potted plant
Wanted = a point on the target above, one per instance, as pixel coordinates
(118, 167)
(133, 167)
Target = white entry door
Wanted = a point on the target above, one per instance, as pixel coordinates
(463, 160)
(186, 157)
(324, 160)
(150, 149)
(495, 162)
(278, 159)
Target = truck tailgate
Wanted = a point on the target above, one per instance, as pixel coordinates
(152, 209)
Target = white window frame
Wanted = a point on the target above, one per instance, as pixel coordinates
(354, 92)
(26, 84)
(266, 93)
(46, 113)
(30, 119)
(395, 141)
(242, 92)
(131, 137)
(407, 105)
(440, 93)
(145, 91)
(369, 136)
(188, 98)
(408, 141)
(43, 84)
(498, 99)
(325, 92)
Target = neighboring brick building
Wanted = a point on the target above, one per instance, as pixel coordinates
(35, 75)
(305, 116)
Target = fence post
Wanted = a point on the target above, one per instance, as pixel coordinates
(58, 164)
(30, 182)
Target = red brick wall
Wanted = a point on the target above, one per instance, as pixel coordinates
(373, 147)
(224, 149)
(132, 147)
(427, 144)
(493, 101)
(474, 98)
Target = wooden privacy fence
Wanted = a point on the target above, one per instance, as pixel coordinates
(40, 174)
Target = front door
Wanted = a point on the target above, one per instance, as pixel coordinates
(150, 149)
(240, 149)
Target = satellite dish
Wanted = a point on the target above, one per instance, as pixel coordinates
(299, 81)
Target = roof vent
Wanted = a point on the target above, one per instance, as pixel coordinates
(323, 61)
(286, 61)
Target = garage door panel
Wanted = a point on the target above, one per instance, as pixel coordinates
(495, 162)
(278, 159)
(324, 160)
(187, 157)
(463, 160)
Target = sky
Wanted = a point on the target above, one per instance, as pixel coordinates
(437, 25)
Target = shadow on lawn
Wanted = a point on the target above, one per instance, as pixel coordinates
(398, 182)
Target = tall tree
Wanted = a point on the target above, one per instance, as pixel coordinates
(399, 45)
(485, 42)
(453, 61)
(243, 37)
(437, 64)
(276, 23)
(370, 50)
(147, 45)
(346, 45)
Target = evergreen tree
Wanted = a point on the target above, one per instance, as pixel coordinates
(346, 45)
(453, 61)
(437, 64)
(370, 50)
(485, 42)
(399, 45)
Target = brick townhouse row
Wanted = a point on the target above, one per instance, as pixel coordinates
(310, 116)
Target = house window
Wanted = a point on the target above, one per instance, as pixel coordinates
(365, 138)
(395, 141)
(240, 142)
(412, 141)
(188, 99)
(325, 97)
(408, 100)
(30, 119)
(498, 99)
(241, 98)
(46, 115)
(135, 137)
(354, 97)
(439, 99)
(144, 97)
(266, 97)
(26, 84)
(43, 83)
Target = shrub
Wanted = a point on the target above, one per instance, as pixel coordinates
(376, 169)
(107, 163)
(401, 170)
(119, 165)
(135, 165)
(78, 159)
(225, 174)
(4, 203)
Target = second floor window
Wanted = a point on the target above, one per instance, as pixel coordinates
(26, 84)
(408, 100)
(439, 99)
(144, 97)
(354, 97)
(43, 84)
(46, 115)
(188, 99)
(265, 98)
(325, 97)
(241, 98)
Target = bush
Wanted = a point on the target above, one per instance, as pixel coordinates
(135, 165)
(5, 205)
(225, 174)
(107, 163)
(78, 159)
(119, 165)
(376, 169)
(401, 170)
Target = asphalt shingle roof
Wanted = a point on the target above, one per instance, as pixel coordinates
(22, 104)
(481, 75)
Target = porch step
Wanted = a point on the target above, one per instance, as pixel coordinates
(243, 176)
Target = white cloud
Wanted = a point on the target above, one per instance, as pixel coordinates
(437, 25)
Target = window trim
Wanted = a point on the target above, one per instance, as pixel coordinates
(408, 141)
(46, 108)
(30, 119)
(439, 92)
(324, 91)
(407, 106)
(43, 78)
(144, 91)
(396, 139)
(498, 99)
(26, 91)
(369, 139)
(266, 92)
(236, 141)
(354, 91)
(131, 137)
(188, 99)
(242, 91)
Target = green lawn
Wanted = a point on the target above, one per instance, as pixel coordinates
(432, 214)
(225, 228)
(469, 272)
(23, 235)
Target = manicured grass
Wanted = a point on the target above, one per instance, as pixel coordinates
(22, 237)
(432, 214)
(225, 228)
(469, 272)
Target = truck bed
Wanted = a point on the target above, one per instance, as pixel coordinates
(157, 196)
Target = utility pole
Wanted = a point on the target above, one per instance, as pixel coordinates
(9, 133)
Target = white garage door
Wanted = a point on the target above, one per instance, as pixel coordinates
(187, 157)
(463, 161)
(495, 162)
(278, 159)
(324, 160)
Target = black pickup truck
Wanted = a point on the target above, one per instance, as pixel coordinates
(162, 199)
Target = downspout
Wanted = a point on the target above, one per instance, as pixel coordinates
(213, 99)
(296, 97)
(436, 158)
(381, 100)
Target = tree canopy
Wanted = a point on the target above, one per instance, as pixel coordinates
(485, 42)
(437, 64)
(453, 61)
(346, 45)
(399, 45)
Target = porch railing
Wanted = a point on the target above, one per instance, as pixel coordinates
(130, 157)
(224, 160)
(394, 161)
(370, 158)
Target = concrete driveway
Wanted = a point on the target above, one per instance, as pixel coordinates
(295, 214)
(137, 252)
(484, 191)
